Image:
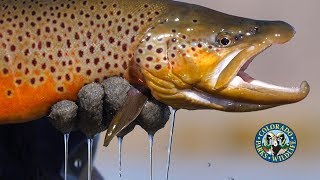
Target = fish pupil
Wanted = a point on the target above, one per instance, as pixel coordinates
(225, 41)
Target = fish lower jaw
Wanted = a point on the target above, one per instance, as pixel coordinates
(208, 101)
(242, 79)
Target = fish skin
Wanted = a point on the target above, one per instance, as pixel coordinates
(50, 49)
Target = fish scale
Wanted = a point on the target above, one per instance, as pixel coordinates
(50, 49)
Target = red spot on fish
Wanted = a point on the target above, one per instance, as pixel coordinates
(102, 48)
(61, 89)
(96, 61)
(107, 65)
(18, 81)
(13, 48)
(6, 59)
(5, 71)
(9, 93)
(91, 49)
(135, 28)
(158, 67)
(34, 62)
(32, 80)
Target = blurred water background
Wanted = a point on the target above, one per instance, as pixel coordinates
(213, 145)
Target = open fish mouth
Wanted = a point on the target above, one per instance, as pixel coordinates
(234, 90)
(244, 79)
(235, 84)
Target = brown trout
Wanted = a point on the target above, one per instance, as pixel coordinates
(188, 56)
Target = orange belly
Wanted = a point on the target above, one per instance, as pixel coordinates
(25, 102)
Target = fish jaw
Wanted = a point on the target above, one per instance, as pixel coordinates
(232, 89)
(258, 92)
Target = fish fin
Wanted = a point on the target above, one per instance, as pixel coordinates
(131, 108)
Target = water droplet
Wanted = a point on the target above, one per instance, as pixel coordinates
(150, 153)
(66, 141)
(173, 116)
(77, 163)
(120, 139)
(90, 144)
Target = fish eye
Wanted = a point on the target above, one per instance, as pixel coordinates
(225, 41)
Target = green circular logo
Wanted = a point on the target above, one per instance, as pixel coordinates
(275, 142)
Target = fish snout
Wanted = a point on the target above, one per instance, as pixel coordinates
(276, 32)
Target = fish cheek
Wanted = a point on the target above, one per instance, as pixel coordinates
(186, 69)
(192, 64)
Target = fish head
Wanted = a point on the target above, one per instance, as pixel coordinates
(195, 58)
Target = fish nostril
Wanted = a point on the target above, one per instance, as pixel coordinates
(256, 29)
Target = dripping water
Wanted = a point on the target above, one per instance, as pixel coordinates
(90, 144)
(173, 116)
(120, 139)
(66, 149)
(150, 153)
